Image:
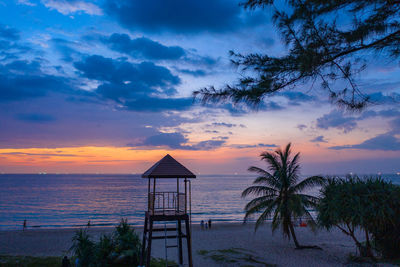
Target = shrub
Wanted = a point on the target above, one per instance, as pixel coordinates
(370, 204)
(121, 248)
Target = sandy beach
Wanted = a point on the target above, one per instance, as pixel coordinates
(223, 245)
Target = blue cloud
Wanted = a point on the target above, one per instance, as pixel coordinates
(176, 15)
(136, 87)
(386, 142)
(121, 71)
(296, 97)
(336, 119)
(9, 33)
(256, 145)
(143, 47)
(194, 73)
(35, 117)
(178, 140)
(319, 139)
(172, 140)
(155, 104)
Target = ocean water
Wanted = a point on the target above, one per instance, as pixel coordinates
(52, 201)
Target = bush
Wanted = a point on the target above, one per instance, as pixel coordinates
(121, 248)
(370, 204)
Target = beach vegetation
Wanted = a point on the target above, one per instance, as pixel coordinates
(122, 248)
(29, 261)
(328, 44)
(366, 209)
(279, 193)
(237, 256)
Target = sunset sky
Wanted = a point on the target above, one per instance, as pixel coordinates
(106, 87)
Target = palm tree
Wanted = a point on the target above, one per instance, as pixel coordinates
(278, 193)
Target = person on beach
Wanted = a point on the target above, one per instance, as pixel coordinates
(202, 224)
(24, 226)
(209, 223)
(206, 225)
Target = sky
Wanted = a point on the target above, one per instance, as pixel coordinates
(106, 87)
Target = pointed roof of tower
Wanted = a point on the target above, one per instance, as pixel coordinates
(168, 167)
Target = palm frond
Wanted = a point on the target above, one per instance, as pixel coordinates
(308, 183)
(258, 190)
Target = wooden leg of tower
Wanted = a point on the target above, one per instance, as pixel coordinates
(149, 243)
(180, 241)
(189, 242)
(144, 242)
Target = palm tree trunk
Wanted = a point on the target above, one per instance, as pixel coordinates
(294, 235)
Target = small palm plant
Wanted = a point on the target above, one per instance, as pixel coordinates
(279, 193)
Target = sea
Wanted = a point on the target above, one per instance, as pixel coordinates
(72, 200)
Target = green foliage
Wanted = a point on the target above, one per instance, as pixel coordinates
(236, 256)
(28, 261)
(278, 192)
(370, 204)
(83, 248)
(324, 46)
(119, 249)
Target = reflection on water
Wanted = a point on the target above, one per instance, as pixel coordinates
(72, 200)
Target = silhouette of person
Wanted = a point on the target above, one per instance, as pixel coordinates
(66, 262)
(24, 226)
(209, 223)
(202, 224)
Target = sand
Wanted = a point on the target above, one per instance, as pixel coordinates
(223, 245)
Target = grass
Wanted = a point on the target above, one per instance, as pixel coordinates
(28, 261)
(241, 257)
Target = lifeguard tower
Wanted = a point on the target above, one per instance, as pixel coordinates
(168, 207)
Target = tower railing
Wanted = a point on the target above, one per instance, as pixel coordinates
(167, 203)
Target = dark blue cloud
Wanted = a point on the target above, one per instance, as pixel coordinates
(21, 79)
(319, 139)
(178, 141)
(143, 47)
(172, 140)
(194, 73)
(136, 87)
(176, 15)
(121, 71)
(154, 104)
(336, 119)
(35, 117)
(296, 97)
(386, 142)
(9, 33)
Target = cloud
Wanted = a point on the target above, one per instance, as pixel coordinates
(301, 127)
(194, 73)
(253, 146)
(178, 141)
(176, 15)
(295, 97)
(38, 154)
(386, 142)
(319, 139)
(336, 119)
(26, 2)
(172, 140)
(155, 104)
(22, 79)
(143, 47)
(8, 33)
(67, 7)
(137, 87)
(35, 117)
(123, 72)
